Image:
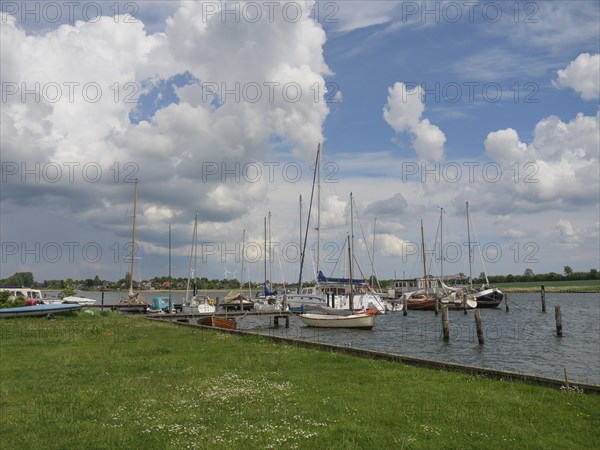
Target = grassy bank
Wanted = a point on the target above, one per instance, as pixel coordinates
(551, 286)
(107, 381)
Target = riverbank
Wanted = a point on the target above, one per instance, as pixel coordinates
(109, 381)
(563, 287)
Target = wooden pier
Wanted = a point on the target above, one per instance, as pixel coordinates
(193, 318)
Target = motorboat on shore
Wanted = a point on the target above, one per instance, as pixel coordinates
(79, 300)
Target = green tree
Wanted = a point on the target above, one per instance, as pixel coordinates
(528, 273)
(568, 271)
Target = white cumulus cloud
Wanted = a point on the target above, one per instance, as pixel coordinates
(582, 75)
(403, 112)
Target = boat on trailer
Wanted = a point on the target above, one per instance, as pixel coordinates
(38, 310)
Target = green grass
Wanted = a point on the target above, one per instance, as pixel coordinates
(107, 381)
(551, 286)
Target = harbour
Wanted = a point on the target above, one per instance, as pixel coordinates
(522, 340)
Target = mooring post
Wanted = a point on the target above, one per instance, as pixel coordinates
(543, 295)
(404, 307)
(445, 323)
(506, 302)
(558, 318)
(102, 297)
(437, 306)
(479, 326)
(276, 321)
(287, 321)
(566, 378)
(464, 302)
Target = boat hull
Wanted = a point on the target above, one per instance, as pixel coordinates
(420, 304)
(79, 300)
(38, 310)
(357, 321)
(218, 322)
(489, 298)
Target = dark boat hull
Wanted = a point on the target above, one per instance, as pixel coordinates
(488, 298)
(420, 304)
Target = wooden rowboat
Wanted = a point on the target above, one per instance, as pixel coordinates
(218, 322)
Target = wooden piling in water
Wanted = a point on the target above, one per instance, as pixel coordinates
(464, 302)
(437, 306)
(543, 297)
(566, 378)
(506, 302)
(479, 326)
(404, 307)
(558, 318)
(445, 323)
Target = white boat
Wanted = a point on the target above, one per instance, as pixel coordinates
(31, 296)
(359, 321)
(37, 310)
(79, 300)
(198, 303)
(458, 300)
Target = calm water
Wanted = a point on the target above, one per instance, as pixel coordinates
(522, 340)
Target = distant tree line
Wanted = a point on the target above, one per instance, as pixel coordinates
(567, 275)
(26, 279)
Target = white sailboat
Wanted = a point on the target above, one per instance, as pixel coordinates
(454, 298)
(360, 321)
(196, 304)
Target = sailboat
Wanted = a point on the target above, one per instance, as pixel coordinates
(197, 303)
(237, 299)
(134, 303)
(358, 321)
(421, 301)
(453, 298)
(307, 298)
(486, 296)
(267, 301)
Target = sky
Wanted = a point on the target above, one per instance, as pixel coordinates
(218, 108)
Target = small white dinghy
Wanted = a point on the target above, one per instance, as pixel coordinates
(79, 300)
(360, 321)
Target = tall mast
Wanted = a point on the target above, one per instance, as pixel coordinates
(270, 255)
(442, 243)
(469, 247)
(373, 252)
(318, 169)
(351, 296)
(303, 254)
(352, 223)
(300, 241)
(265, 256)
(170, 282)
(133, 238)
(243, 248)
(424, 261)
(195, 286)
(190, 270)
